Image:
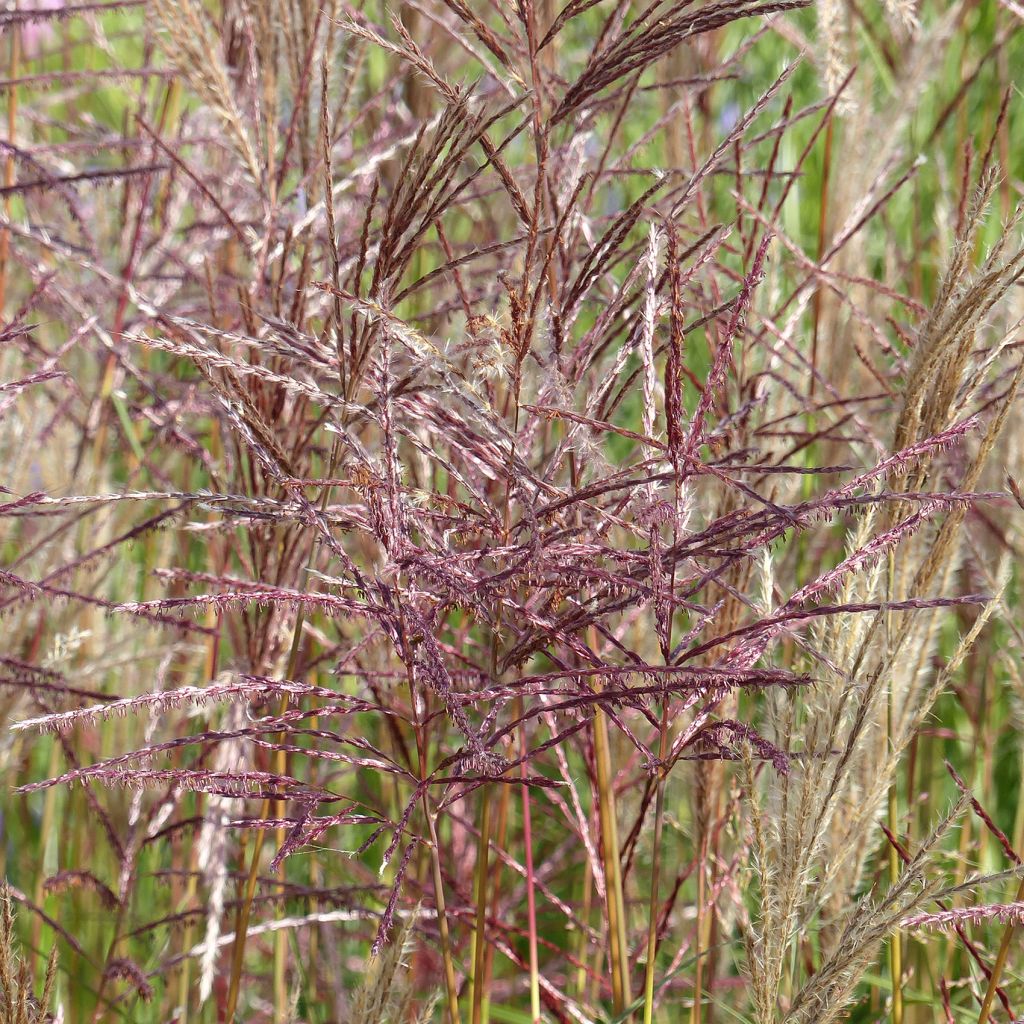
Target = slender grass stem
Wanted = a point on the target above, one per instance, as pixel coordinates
(895, 942)
(499, 842)
(698, 973)
(652, 906)
(531, 888)
(615, 904)
(451, 984)
(478, 980)
(13, 71)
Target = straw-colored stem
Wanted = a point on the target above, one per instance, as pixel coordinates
(477, 980)
(618, 951)
(652, 908)
(698, 974)
(47, 830)
(185, 977)
(531, 894)
(451, 984)
(281, 937)
(895, 943)
(500, 841)
(819, 293)
(13, 71)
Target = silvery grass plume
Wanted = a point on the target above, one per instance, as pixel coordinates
(18, 1003)
(813, 843)
(386, 996)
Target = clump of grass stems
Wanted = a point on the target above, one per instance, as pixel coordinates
(508, 508)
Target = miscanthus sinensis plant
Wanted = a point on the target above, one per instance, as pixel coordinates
(507, 508)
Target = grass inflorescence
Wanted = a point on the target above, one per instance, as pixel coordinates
(511, 512)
